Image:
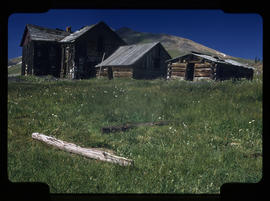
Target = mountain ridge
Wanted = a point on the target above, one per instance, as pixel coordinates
(175, 45)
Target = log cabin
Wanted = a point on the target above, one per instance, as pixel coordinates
(138, 61)
(196, 66)
(65, 54)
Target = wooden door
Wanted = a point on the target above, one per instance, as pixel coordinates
(189, 72)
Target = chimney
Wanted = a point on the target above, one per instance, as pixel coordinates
(68, 29)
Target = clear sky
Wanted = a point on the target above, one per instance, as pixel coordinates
(238, 35)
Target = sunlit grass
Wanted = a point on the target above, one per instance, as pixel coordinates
(215, 130)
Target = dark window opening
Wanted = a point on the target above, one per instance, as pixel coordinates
(190, 71)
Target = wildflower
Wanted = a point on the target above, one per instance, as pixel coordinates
(240, 129)
(184, 125)
(105, 92)
(115, 96)
(251, 121)
(170, 127)
(54, 115)
(159, 118)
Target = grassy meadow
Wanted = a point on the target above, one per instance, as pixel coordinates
(215, 134)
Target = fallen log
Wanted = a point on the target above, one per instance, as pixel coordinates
(87, 152)
(125, 127)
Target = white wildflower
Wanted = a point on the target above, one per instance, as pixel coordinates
(54, 115)
(184, 125)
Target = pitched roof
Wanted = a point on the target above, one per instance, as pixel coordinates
(214, 59)
(45, 34)
(77, 34)
(127, 55)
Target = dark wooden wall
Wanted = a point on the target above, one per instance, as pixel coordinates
(152, 65)
(226, 71)
(47, 58)
(90, 48)
(41, 58)
(27, 59)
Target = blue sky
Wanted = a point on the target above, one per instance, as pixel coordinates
(238, 35)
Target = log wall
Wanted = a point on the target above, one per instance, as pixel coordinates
(122, 72)
(177, 70)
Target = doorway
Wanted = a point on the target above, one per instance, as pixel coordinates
(189, 72)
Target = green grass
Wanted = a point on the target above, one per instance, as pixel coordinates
(215, 129)
(16, 69)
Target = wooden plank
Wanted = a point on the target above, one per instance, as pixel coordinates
(87, 152)
(128, 126)
(177, 67)
(203, 65)
(178, 70)
(124, 69)
(183, 65)
(178, 74)
(122, 74)
(203, 70)
(202, 74)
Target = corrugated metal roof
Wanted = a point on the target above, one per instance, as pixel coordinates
(210, 58)
(77, 34)
(236, 63)
(45, 34)
(127, 55)
(216, 60)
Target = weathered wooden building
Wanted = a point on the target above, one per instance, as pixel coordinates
(85, 48)
(139, 61)
(65, 54)
(195, 66)
(41, 52)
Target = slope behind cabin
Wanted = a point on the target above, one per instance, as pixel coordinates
(65, 54)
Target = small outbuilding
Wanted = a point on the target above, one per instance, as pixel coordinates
(195, 66)
(139, 61)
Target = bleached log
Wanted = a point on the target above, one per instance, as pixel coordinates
(87, 152)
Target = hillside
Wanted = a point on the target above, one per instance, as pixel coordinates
(14, 61)
(174, 45)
